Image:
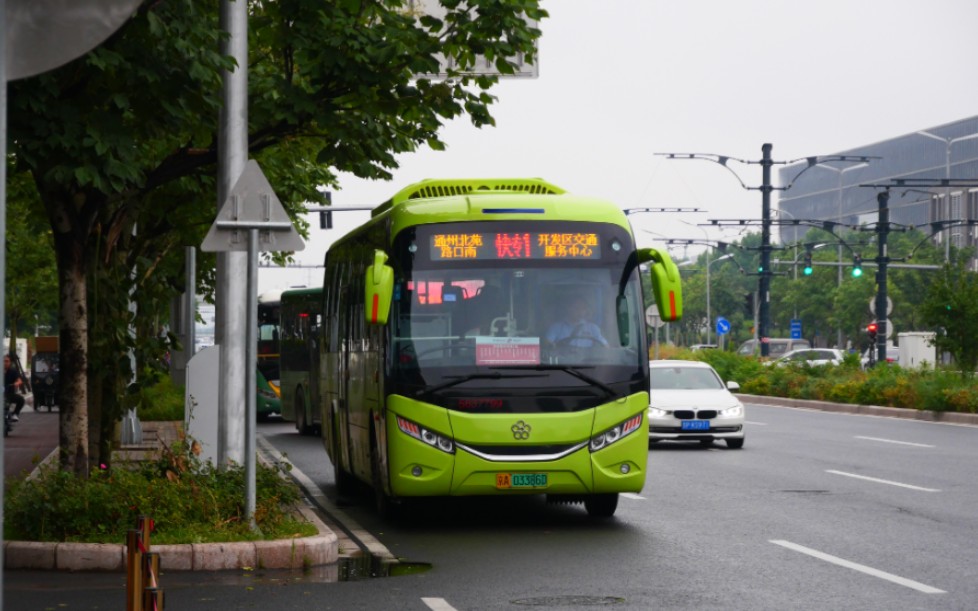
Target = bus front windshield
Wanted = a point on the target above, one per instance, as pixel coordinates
(518, 335)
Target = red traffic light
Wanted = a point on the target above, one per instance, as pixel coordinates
(871, 327)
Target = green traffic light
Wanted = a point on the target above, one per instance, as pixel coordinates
(807, 271)
(856, 272)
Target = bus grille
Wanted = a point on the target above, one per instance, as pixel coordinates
(522, 453)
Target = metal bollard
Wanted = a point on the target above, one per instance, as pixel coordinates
(153, 599)
(134, 571)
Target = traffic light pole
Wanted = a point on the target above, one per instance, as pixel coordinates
(882, 231)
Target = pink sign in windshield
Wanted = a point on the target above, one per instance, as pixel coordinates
(507, 350)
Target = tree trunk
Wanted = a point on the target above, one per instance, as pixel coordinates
(73, 319)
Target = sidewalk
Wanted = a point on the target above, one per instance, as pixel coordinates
(31, 441)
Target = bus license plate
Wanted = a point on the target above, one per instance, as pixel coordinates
(695, 425)
(521, 480)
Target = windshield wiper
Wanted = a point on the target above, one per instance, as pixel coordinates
(472, 376)
(574, 371)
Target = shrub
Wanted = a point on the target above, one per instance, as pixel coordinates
(189, 501)
(164, 400)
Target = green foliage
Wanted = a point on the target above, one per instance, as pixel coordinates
(122, 144)
(190, 502)
(163, 400)
(825, 304)
(32, 279)
(887, 385)
(951, 306)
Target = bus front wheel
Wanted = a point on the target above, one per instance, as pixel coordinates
(387, 508)
(601, 505)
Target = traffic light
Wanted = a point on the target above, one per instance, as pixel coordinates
(871, 329)
(857, 266)
(749, 304)
(807, 269)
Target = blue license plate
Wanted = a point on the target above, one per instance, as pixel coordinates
(695, 425)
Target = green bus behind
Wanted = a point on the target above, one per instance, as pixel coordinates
(300, 316)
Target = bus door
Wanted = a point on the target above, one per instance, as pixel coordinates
(355, 387)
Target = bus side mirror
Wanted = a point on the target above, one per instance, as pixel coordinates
(378, 290)
(666, 284)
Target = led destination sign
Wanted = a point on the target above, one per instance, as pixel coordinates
(524, 245)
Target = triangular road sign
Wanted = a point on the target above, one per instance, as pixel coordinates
(252, 204)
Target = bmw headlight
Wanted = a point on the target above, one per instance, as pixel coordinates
(655, 412)
(736, 411)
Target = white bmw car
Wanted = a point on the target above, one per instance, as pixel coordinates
(689, 402)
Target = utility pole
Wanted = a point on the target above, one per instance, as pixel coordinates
(764, 271)
(882, 232)
(764, 283)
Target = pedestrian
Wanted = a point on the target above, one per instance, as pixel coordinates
(13, 381)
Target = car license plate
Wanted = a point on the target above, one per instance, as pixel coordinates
(695, 425)
(521, 480)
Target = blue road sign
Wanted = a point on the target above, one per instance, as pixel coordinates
(795, 328)
(723, 325)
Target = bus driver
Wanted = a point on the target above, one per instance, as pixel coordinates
(576, 329)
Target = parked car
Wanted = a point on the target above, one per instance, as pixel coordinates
(811, 356)
(696, 347)
(689, 402)
(777, 346)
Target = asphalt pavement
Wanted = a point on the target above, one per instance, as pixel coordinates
(36, 436)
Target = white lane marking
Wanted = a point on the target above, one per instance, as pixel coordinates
(903, 443)
(751, 422)
(881, 481)
(633, 496)
(903, 581)
(437, 604)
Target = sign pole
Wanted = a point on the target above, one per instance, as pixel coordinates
(251, 378)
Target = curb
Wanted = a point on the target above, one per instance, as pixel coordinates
(296, 553)
(865, 410)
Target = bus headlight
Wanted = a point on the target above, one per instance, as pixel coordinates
(435, 440)
(615, 433)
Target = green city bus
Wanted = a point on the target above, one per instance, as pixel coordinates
(300, 317)
(441, 374)
(267, 377)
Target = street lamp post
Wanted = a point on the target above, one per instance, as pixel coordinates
(840, 172)
(948, 143)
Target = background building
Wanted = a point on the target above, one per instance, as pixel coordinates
(831, 191)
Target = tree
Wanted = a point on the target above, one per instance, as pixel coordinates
(31, 296)
(124, 138)
(951, 307)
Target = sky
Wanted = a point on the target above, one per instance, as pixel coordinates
(622, 80)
